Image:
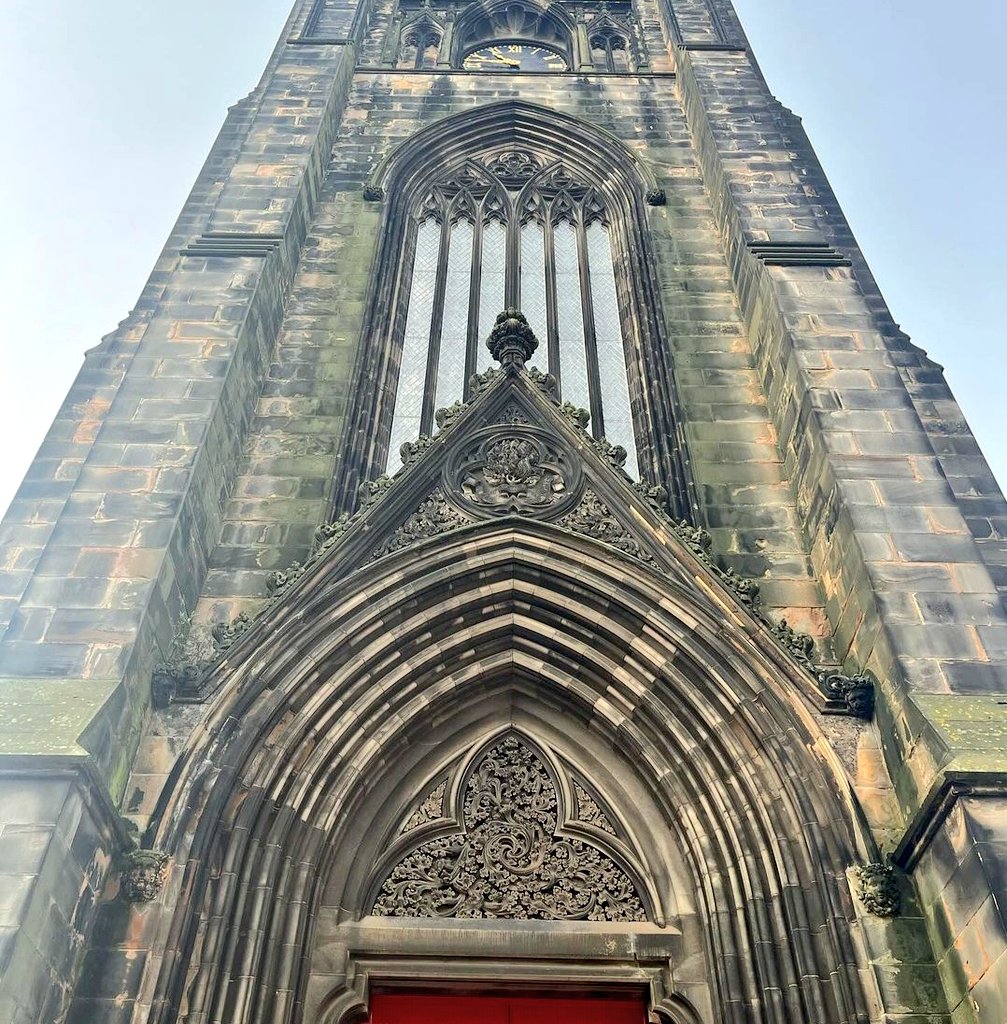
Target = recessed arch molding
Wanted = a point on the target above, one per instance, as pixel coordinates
(420, 652)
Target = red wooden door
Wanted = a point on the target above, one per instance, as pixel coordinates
(423, 1008)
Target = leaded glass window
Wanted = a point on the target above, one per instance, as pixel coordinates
(513, 230)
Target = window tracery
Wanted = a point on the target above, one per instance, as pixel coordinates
(475, 167)
(526, 35)
(609, 50)
(420, 39)
(420, 45)
(515, 230)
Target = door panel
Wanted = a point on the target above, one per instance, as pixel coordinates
(424, 1008)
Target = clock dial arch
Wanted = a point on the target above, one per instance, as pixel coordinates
(501, 24)
(515, 55)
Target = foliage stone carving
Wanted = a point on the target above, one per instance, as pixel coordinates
(589, 812)
(227, 634)
(430, 809)
(514, 470)
(593, 518)
(433, 517)
(509, 862)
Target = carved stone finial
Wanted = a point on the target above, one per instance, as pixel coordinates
(512, 342)
(878, 889)
(143, 875)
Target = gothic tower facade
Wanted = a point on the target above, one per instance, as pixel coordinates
(509, 562)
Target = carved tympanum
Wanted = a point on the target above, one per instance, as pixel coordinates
(512, 470)
(509, 861)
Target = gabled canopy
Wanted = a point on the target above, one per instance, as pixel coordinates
(511, 576)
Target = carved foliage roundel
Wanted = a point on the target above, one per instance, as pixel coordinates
(512, 470)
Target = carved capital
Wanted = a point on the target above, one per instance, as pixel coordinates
(656, 197)
(373, 193)
(143, 875)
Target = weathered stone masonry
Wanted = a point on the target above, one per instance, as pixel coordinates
(198, 450)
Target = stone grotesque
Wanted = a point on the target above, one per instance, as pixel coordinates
(878, 889)
(856, 692)
(510, 474)
(512, 469)
(143, 875)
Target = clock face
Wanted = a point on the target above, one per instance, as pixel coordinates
(514, 57)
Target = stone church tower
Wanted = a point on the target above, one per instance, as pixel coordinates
(648, 663)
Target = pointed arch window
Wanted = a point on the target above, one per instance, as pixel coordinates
(610, 50)
(512, 230)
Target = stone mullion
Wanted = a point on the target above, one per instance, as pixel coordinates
(590, 336)
(552, 316)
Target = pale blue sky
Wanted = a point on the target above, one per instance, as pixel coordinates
(110, 107)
